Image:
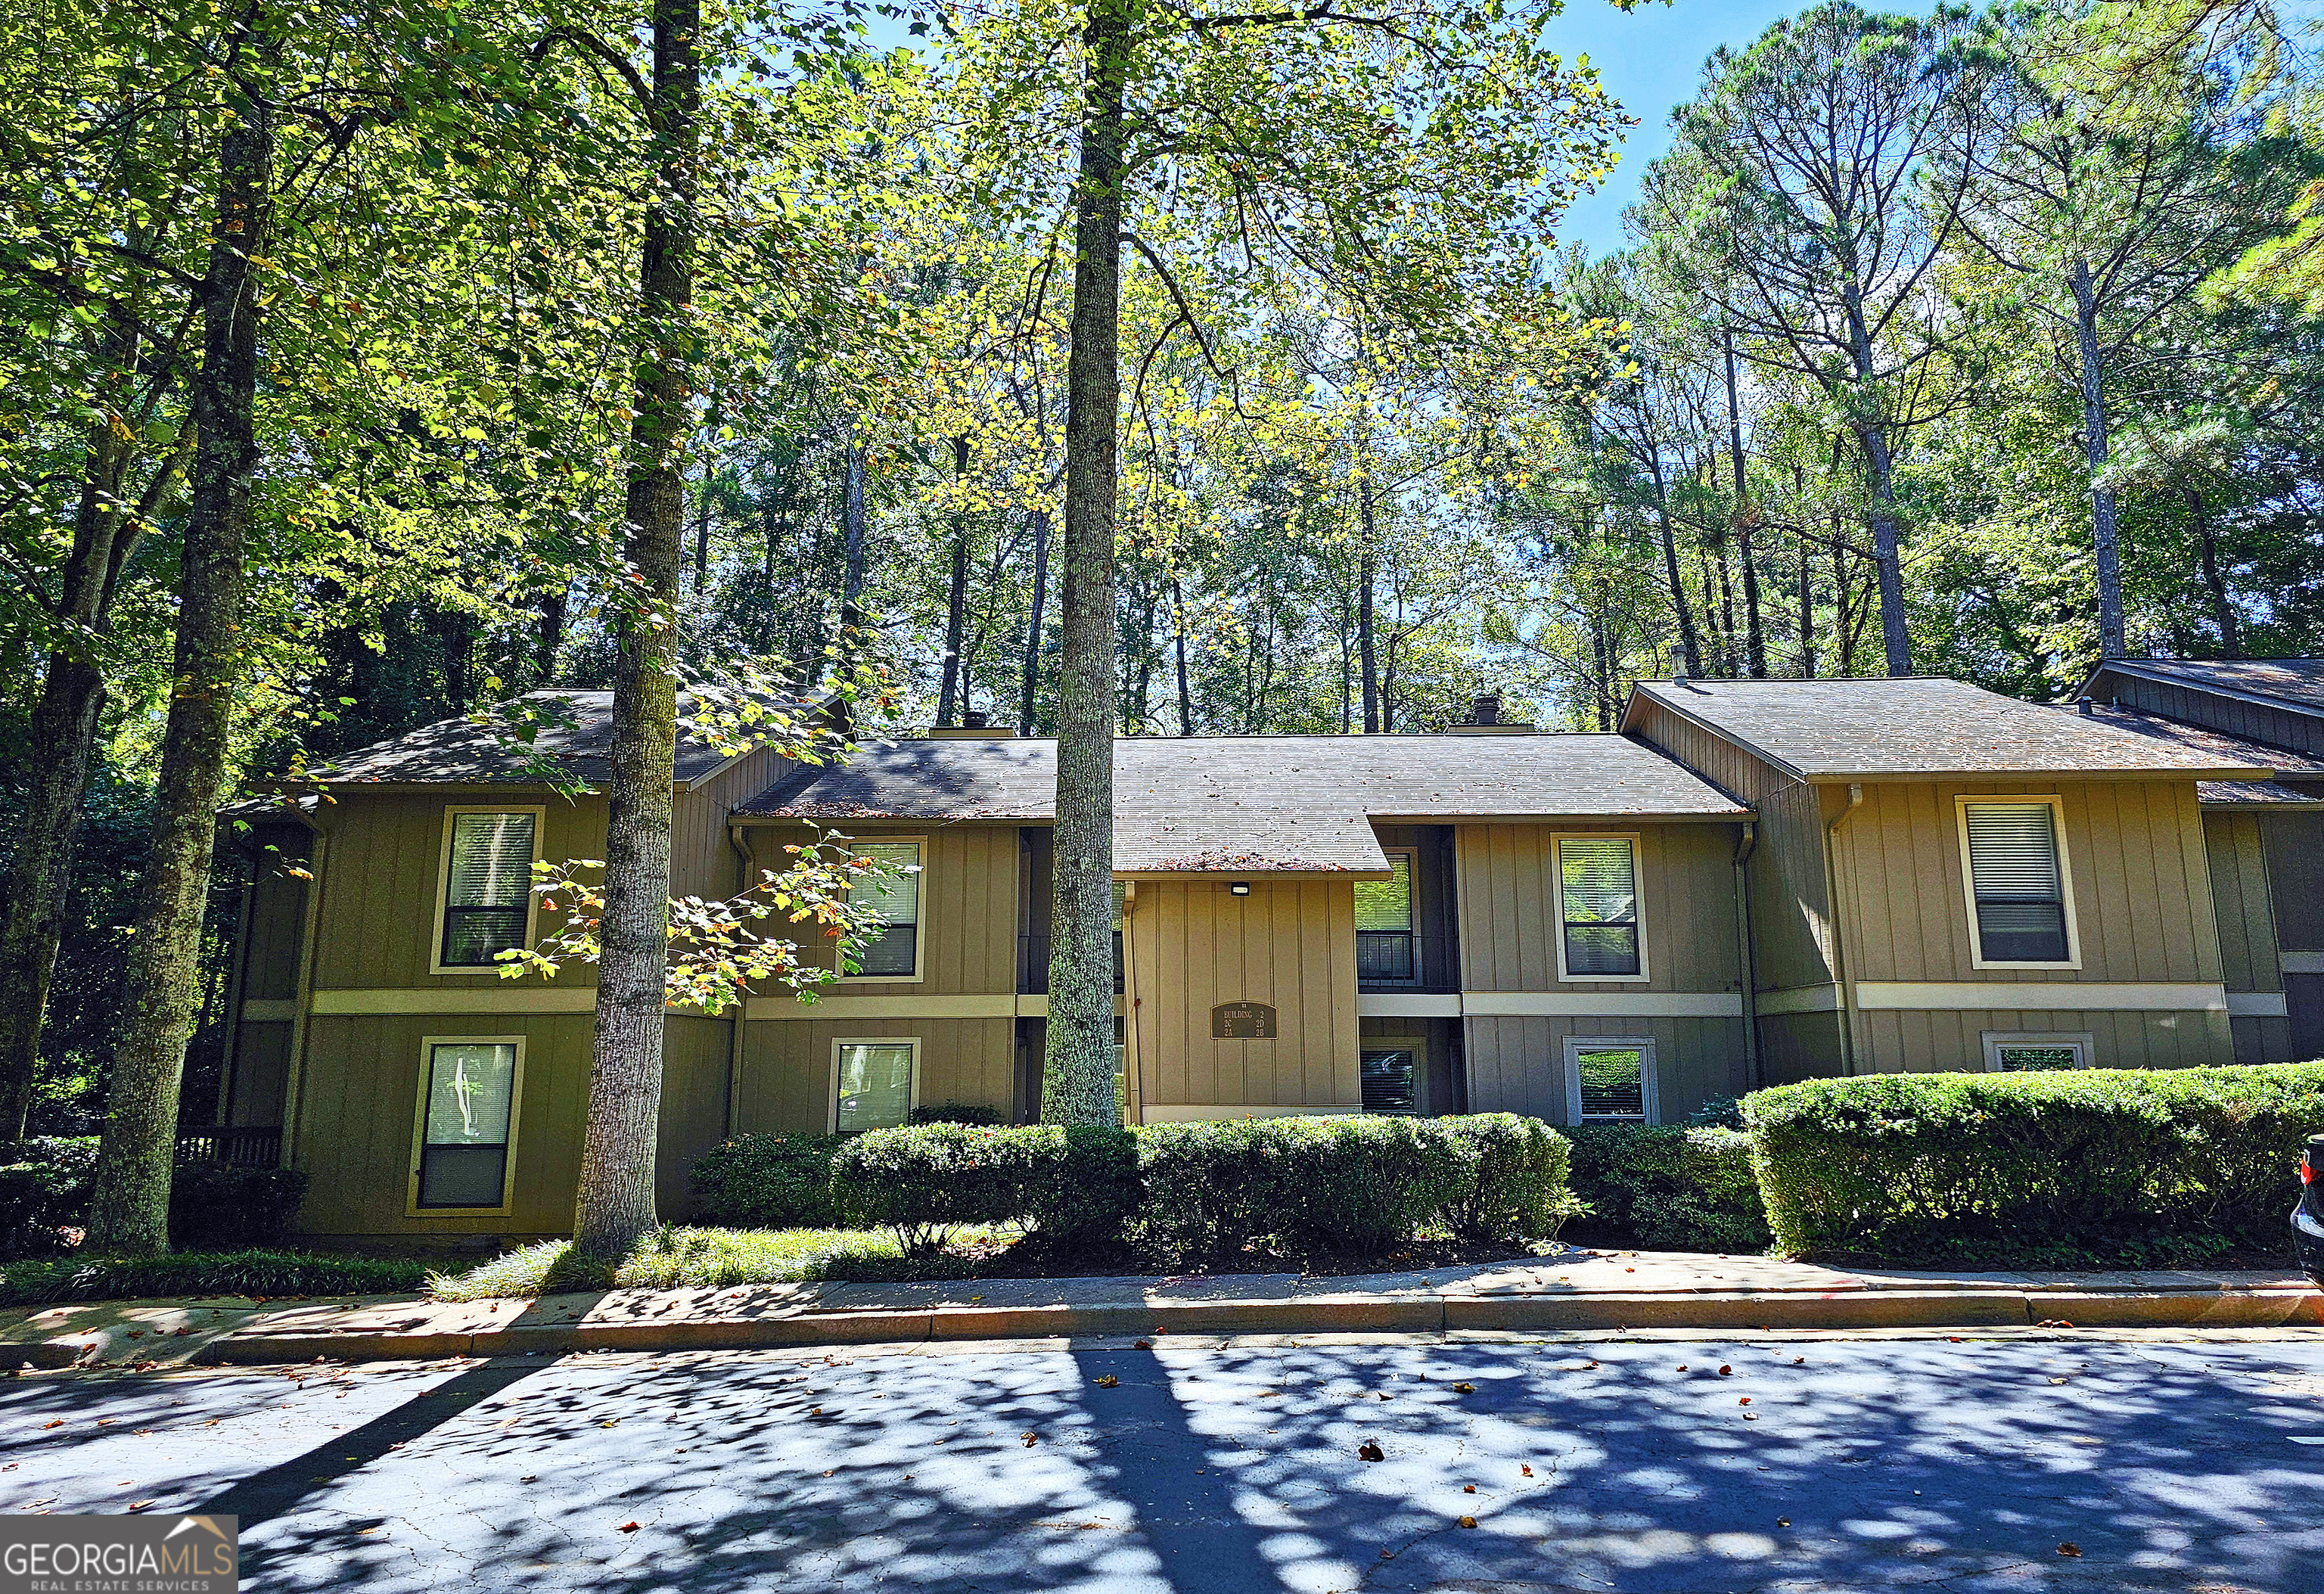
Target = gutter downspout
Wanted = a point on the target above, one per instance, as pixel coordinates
(294, 1084)
(738, 838)
(1747, 842)
(1839, 934)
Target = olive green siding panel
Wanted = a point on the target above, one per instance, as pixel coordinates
(262, 1069)
(968, 905)
(1518, 1064)
(701, 861)
(1509, 928)
(1953, 1041)
(377, 928)
(1191, 945)
(2295, 864)
(784, 1083)
(697, 1058)
(1793, 1046)
(2142, 888)
(2239, 891)
(278, 908)
(2263, 1040)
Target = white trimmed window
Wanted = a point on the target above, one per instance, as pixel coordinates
(1599, 933)
(1385, 948)
(893, 890)
(2014, 862)
(873, 1084)
(467, 1123)
(487, 885)
(1609, 1079)
(2022, 1051)
(1390, 1078)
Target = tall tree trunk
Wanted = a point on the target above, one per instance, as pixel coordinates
(853, 532)
(129, 1208)
(2207, 545)
(1731, 660)
(1367, 625)
(1879, 463)
(1807, 614)
(548, 635)
(1690, 641)
(956, 608)
(2104, 539)
(1745, 518)
(1185, 696)
(1077, 1081)
(63, 746)
(614, 1207)
(1029, 696)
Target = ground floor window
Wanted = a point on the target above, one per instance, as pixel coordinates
(468, 1121)
(2030, 1053)
(1609, 1080)
(1391, 1081)
(872, 1083)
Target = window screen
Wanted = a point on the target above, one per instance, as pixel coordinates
(489, 889)
(463, 1137)
(875, 1085)
(2016, 882)
(1389, 1082)
(1612, 1084)
(893, 890)
(2021, 1059)
(1598, 884)
(1383, 941)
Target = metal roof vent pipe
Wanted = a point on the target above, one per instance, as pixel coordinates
(2088, 709)
(975, 723)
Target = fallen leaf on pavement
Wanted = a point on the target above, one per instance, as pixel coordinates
(1783, 1522)
(1369, 1450)
(1143, 1345)
(1108, 1381)
(629, 1527)
(1725, 1371)
(1745, 1400)
(1030, 1438)
(2069, 1548)
(1527, 1471)
(139, 1505)
(54, 1422)
(1468, 1489)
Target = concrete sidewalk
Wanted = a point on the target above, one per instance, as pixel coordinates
(1574, 1289)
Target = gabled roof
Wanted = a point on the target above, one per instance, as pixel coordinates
(2200, 739)
(1217, 805)
(2296, 683)
(1922, 728)
(572, 743)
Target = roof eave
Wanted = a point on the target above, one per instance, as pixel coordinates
(2164, 677)
(1899, 777)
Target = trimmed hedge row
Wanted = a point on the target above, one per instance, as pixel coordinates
(45, 1182)
(1184, 1190)
(2131, 1164)
(1667, 1187)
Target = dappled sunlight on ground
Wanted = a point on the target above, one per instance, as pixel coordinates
(1807, 1465)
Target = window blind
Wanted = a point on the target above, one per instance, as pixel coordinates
(1598, 883)
(2016, 881)
(489, 886)
(894, 895)
(1387, 904)
(1613, 1084)
(464, 1144)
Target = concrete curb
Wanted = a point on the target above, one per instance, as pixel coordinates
(1741, 1310)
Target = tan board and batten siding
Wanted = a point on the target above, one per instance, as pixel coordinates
(2249, 957)
(1191, 945)
(1507, 893)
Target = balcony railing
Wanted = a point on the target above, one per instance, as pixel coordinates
(1033, 965)
(1386, 956)
(241, 1147)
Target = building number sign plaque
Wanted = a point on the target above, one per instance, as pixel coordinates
(1242, 1021)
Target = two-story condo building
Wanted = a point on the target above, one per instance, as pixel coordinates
(1754, 882)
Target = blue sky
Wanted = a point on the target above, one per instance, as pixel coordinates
(1650, 59)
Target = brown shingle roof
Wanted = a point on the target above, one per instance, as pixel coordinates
(1922, 728)
(572, 743)
(2295, 682)
(1254, 804)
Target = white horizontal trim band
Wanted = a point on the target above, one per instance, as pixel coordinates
(1797, 998)
(2257, 1004)
(2302, 962)
(284, 1011)
(1610, 1004)
(495, 998)
(977, 1005)
(2065, 996)
(1399, 1004)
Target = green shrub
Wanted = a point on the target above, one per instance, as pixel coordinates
(44, 1184)
(1510, 1176)
(925, 1180)
(261, 1275)
(769, 1182)
(1351, 1184)
(2054, 1168)
(969, 1112)
(1667, 1187)
(1082, 1188)
(218, 1206)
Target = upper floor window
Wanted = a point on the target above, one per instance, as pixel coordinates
(1598, 908)
(893, 890)
(487, 885)
(2018, 883)
(1384, 941)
